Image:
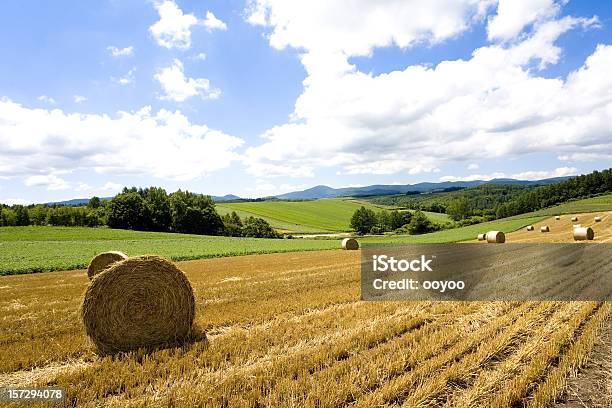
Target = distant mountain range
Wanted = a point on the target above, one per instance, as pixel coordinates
(387, 189)
(376, 189)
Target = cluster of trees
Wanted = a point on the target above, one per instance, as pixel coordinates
(152, 209)
(149, 209)
(545, 196)
(68, 216)
(367, 221)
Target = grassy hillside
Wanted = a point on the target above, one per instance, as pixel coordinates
(323, 215)
(599, 203)
(223, 209)
(35, 249)
(326, 214)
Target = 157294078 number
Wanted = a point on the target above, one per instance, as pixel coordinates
(32, 394)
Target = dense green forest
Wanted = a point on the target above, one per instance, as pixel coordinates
(482, 200)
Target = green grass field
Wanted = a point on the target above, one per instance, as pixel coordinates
(323, 215)
(38, 249)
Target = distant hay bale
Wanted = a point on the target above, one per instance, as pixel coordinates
(143, 301)
(103, 261)
(574, 219)
(544, 228)
(482, 237)
(583, 234)
(495, 237)
(350, 244)
(530, 228)
(597, 219)
(557, 217)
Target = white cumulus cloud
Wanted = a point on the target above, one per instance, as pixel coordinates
(474, 177)
(542, 174)
(173, 29)
(160, 144)
(513, 15)
(213, 23)
(50, 181)
(417, 119)
(356, 27)
(177, 87)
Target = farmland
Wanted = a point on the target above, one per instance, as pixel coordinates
(37, 249)
(326, 214)
(323, 215)
(289, 330)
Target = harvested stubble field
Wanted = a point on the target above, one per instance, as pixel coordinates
(288, 330)
(561, 230)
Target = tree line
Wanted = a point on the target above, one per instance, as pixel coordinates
(148, 209)
(587, 185)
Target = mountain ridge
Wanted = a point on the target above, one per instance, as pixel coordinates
(323, 191)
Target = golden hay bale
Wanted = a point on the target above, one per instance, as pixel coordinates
(544, 228)
(144, 301)
(530, 228)
(482, 237)
(496, 237)
(350, 244)
(597, 219)
(583, 234)
(574, 219)
(557, 217)
(103, 261)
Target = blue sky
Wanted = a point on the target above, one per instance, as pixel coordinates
(266, 96)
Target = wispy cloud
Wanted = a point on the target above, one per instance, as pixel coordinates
(121, 52)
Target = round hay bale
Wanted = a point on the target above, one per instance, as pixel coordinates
(103, 261)
(583, 234)
(482, 237)
(530, 228)
(144, 301)
(496, 237)
(597, 219)
(557, 217)
(574, 219)
(350, 244)
(544, 228)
